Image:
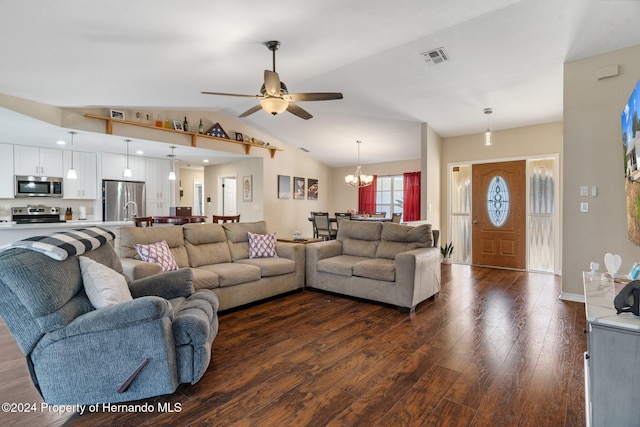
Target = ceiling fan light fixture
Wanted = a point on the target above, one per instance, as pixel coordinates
(274, 105)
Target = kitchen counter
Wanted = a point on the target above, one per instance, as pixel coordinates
(599, 303)
(10, 232)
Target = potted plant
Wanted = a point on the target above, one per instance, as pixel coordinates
(446, 251)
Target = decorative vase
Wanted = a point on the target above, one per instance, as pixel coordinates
(446, 260)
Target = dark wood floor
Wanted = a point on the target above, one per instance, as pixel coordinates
(495, 348)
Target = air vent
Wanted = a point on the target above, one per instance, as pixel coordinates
(435, 56)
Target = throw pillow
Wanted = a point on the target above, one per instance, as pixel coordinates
(158, 253)
(262, 245)
(103, 285)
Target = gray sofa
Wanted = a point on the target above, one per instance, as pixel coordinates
(218, 257)
(385, 262)
(77, 354)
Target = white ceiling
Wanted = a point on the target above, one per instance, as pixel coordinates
(159, 54)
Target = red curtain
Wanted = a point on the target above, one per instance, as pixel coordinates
(367, 197)
(411, 207)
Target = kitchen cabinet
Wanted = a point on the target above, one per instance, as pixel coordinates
(37, 161)
(158, 187)
(114, 164)
(613, 351)
(86, 185)
(7, 181)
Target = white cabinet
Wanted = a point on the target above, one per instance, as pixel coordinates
(37, 161)
(613, 350)
(85, 186)
(114, 164)
(158, 186)
(7, 181)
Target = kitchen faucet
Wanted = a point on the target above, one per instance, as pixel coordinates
(135, 211)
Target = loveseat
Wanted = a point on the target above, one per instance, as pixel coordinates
(58, 298)
(218, 257)
(385, 262)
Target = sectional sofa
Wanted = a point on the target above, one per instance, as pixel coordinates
(218, 257)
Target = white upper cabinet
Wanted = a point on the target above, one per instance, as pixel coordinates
(158, 186)
(37, 161)
(7, 181)
(114, 164)
(86, 185)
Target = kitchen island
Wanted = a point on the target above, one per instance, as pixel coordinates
(10, 231)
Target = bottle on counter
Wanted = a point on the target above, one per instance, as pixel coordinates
(68, 215)
(185, 125)
(159, 121)
(167, 124)
(200, 128)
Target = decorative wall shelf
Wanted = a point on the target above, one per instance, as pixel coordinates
(194, 136)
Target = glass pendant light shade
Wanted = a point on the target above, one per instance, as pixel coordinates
(127, 171)
(172, 174)
(487, 137)
(487, 133)
(71, 174)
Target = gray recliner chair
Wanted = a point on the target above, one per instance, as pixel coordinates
(77, 354)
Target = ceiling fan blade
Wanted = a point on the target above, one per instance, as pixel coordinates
(271, 83)
(318, 96)
(232, 94)
(251, 110)
(300, 112)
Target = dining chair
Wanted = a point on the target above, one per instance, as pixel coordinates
(379, 215)
(396, 218)
(323, 227)
(341, 216)
(225, 218)
(174, 220)
(143, 221)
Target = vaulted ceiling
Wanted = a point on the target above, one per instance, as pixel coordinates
(159, 54)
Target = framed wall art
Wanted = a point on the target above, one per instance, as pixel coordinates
(247, 188)
(115, 114)
(284, 187)
(312, 189)
(299, 189)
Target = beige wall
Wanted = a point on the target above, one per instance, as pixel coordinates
(431, 196)
(593, 157)
(518, 143)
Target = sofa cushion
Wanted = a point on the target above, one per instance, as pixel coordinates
(206, 244)
(157, 253)
(204, 278)
(271, 266)
(238, 238)
(127, 237)
(341, 264)
(231, 273)
(262, 245)
(397, 238)
(376, 269)
(103, 286)
(359, 238)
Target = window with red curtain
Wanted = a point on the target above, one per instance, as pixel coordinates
(367, 197)
(411, 209)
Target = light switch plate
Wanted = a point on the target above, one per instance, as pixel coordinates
(584, 207)
(584, 190)
(594, 191)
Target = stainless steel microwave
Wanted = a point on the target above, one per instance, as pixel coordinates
(38, 186)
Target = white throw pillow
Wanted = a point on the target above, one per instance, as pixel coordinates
(103, 285)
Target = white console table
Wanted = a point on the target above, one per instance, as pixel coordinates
(612, 360)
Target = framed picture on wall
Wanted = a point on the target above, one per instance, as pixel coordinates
(247, 188)
(312, 189)
(298, 188)
(284, 187)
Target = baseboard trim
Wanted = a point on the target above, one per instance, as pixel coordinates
(571, 297)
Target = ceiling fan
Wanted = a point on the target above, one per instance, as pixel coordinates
(274, 96)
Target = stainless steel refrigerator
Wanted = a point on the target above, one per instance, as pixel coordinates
(122, 200)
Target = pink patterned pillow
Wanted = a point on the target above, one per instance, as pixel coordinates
(262, 245)
(158, 253)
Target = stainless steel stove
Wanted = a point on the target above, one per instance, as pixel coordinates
(35, 214)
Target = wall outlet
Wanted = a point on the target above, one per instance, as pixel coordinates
(584, 207)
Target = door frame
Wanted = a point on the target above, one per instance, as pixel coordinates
(557, 200)
(220, 207)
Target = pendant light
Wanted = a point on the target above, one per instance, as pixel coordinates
(487, 133)
(127, 171)
(359, 179)
(172, 174)
(71, 174)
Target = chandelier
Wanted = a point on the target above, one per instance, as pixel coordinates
(359, 180)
